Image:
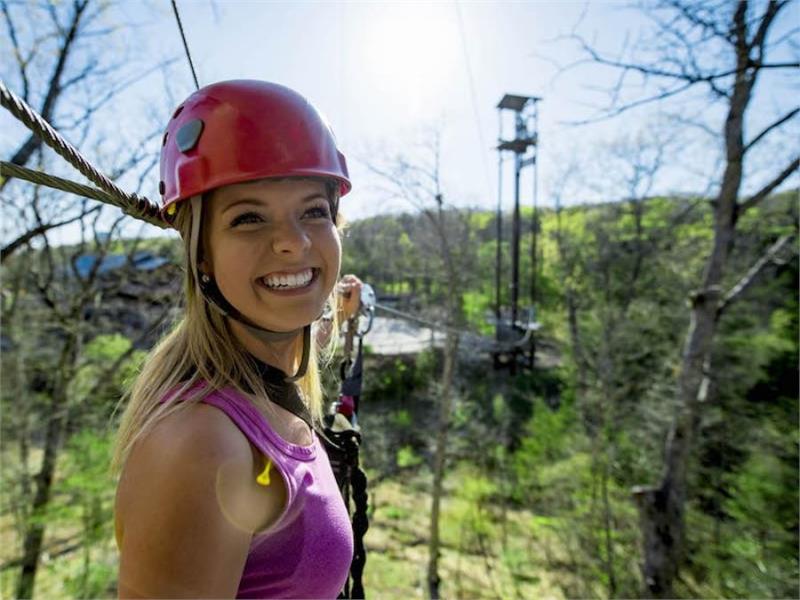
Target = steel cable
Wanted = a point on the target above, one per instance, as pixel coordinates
(464, 332)
(8, 169)
(185, 44)
(137, 206)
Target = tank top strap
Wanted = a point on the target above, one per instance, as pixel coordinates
(255, 427)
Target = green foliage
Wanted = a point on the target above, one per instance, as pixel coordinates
(85, 496)
(476, 305)
(549, 456)
(106, 348)
(467, 521)
(402, 419)
(395, 513)
(547, 439)
(107, 368)
(407, 457)
(93, 581)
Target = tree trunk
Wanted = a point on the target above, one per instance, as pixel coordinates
(445, 410)
(56, 423)
(608, 519)
(662, 508)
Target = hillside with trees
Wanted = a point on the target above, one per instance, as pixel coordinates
(650, 450)
(547, 457)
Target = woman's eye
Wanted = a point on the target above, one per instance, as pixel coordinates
(319, 212)
(244, 218)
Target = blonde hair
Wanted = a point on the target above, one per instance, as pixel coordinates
(201, 347)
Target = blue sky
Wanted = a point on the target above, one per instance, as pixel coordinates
(385, 72)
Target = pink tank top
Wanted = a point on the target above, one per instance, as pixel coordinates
(307, 552)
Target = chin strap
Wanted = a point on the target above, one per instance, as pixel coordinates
(211, 292)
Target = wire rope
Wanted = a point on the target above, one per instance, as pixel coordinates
(185, 44)
(420, 320)
(496, 345)
(57, 183)
(473, 96)
(137, 206)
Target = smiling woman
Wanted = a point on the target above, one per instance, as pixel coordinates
(223, 490)
(273, 248)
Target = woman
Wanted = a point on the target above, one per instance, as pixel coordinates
(225, 489)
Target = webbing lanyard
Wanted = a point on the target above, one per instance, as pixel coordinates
(343, 431)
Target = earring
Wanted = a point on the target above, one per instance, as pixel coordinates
(205, 278)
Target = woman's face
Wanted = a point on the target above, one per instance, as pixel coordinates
(273, 249)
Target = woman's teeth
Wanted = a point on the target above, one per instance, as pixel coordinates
(286, 282)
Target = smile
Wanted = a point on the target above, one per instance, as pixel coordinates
(289, 281)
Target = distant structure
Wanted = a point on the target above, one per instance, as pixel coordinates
(516, 338)
(141, 261)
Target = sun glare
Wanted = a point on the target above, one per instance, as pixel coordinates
(411, 52)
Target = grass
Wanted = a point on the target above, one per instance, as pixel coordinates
(497, 559)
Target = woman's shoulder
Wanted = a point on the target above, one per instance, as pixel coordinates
(199, 430)
(188, 448)
(187, 454)
(179, 527)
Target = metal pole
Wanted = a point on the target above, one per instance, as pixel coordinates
(515, 244)
(535, 241)
(534, 238)
(499, 218)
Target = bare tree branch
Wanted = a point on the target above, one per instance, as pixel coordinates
(114, 92)
(692, 13)
(684, 70)
(767, 189)
(24, 153)
(21, 62)
(26, 237)
(772, 126)
(773, 8)
(745, 282)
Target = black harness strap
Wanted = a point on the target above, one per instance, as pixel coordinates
(343, 441)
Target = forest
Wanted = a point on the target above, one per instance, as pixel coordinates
(651, 449)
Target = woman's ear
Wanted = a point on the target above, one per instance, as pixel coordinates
(205, 267)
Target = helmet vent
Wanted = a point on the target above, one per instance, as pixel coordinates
(188, 134)
(177, 111)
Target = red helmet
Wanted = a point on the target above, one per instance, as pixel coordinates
(236, 131)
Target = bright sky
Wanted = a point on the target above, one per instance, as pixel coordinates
(383, 72)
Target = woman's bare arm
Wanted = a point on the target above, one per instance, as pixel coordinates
(187, 506)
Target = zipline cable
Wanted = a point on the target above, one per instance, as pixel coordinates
(448, 328)
(137, 206)
(421, 321)
(56, 183)
(185, 45)
(473, 96)
(425, 322)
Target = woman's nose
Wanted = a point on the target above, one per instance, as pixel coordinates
(289, 238)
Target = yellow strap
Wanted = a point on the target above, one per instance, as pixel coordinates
(263, 479)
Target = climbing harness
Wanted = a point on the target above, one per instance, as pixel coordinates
(342, 438)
